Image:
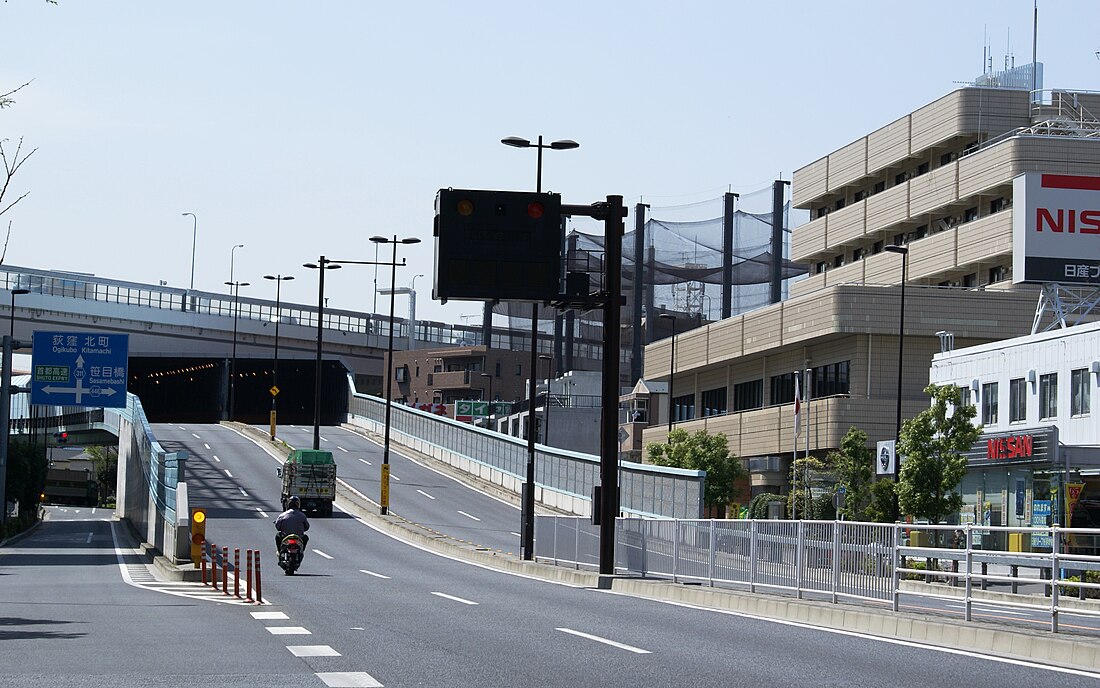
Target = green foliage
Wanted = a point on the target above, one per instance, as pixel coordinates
(823, 509)
(105, 463)
(1075, 591)
(758, 507)
(701, 451)
(852, 465)
(26, 474)
(932, 442)
(796, 499)
(882, 505)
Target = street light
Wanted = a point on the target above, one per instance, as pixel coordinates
(490, 389)
(11, 318)
(528, 506)
(671, 370)
(321, 265)
(232, 257)
(235, 288)
(279, 279)
(194, 239)
(546, 417)
(385, 478)
(904, 251)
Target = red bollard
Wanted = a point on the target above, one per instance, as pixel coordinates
(213, 566)
(248, 576)
(237, 572)
(202, 560)
(225, 570)
(259, 597)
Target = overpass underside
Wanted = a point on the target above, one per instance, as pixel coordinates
(198, 390)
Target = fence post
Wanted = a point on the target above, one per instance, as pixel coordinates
(1055, 576)
(213, 566)
(577, 545)
(836, 559)
(202, 560)
(675, 549)
(248, 576)
(897, 566)
(798, 558)
(645, 547)
(714, 550)
(259, 596)
(752, 555)
(969, 570)
(225, 570)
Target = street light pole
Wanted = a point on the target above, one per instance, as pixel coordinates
(234, 287)
(528, 506)
(904, 251)
(232, 259)
(671, 371)
(279, 279)
(321, 265)
(194, 241)
(389, 372)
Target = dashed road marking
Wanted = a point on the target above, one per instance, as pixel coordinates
(366, 462)
(606, 641)
(426, 494)
(269, 615)
(320, 553)
(342, 449)
(348, 679)
(228, 473)
(287, 630)
(372, 573)
(452, 597)
(312, 651)
(469, 516)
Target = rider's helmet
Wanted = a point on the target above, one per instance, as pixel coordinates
(293, 503)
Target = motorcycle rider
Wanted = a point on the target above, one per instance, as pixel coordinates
(291, 521)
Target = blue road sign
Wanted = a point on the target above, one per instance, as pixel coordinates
(79, 369)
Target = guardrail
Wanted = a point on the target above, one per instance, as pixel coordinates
(838, 559)
(563, 479)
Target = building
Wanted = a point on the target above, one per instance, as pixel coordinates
(936, 187)
(1034, 402)
(447, 375)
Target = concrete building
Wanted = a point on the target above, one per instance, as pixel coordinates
(937, 183)
(446, 375)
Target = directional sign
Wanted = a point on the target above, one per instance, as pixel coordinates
(79, 369)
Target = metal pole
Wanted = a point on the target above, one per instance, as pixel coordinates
(529, 483)
(388, 372)
(5, 424)
(233, 361)
(901, 359)
(321, 263)
(609, 387)
(806, 392)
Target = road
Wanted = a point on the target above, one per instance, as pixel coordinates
(371, 610)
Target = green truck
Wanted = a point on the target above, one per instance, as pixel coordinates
(310, 474)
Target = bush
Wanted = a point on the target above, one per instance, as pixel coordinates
(1074, 591)
(758, 507)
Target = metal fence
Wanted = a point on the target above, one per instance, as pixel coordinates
(1050, 569)
(646, 490)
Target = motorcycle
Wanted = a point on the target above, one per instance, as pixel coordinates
(291, 550)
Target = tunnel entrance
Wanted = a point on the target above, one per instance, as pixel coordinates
(196, 390)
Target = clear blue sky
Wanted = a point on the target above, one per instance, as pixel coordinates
(300, 129)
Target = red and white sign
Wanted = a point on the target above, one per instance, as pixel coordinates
(1056, 228)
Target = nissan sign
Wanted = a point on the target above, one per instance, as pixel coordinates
(1056, 229)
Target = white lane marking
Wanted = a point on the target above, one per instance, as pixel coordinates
(228, 473)
(469, 516)
(269, 615)
(287, 630)
(605, 641)
(93, 511)
(323, 439)
(348, 679)
(395, 477)
(320, 553)
(864, 636)
(89, 538)
(452, 597)
(366, 462)
(217, 459)
(372, 573)
(516, 534)
(262, 512)
(196, 436)
(342, 449)
(312, 651)
(425, 494)
(205, 445)
(242, 491)
(181, 427)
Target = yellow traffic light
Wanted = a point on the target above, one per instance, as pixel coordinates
(198, 534)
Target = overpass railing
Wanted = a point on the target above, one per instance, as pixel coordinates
(1052, 571)
(152, 494)
(563, 479)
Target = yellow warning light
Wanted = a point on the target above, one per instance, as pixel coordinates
(465, 207)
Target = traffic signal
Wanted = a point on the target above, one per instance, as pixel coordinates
(61, 437)
(500, 245)
(198, 534)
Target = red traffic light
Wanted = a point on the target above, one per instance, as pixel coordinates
(535, 210)
(465, 207)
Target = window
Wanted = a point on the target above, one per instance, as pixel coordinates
(714, 402)
(749, 395)
(519, 369)
(996, 274)
(1017, 400)
(920, 232)
(946, 159)
(971, 214)
(820, 267)
(879, 187)
(970, 281)
(877, 248)
(899, 179)
(859, 196)
(964, 396)
(989, 403)
(996, 205)
(830, 380)
(1048, 396)
(418, 370)
(782, 388)
(839, 203)
(822, 212)
(496, 369)
(1079, 392)
(922, 168)
(838, 261)
(858, 253)
(683, 408)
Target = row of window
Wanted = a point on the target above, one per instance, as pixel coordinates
(1080, 397)
(825, 380)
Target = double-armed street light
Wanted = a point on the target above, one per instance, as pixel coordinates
(528, 506)
(234, 287)
(321, 265)
(278, 279)
(389, 372)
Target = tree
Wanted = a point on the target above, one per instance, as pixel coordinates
(105, 464)
(12, 161)
(883, 504)
(802, 470)
(26, 477)
(932, 442)
(852, 466)
(701, 451)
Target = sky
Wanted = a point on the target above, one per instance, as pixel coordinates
(302, 129)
